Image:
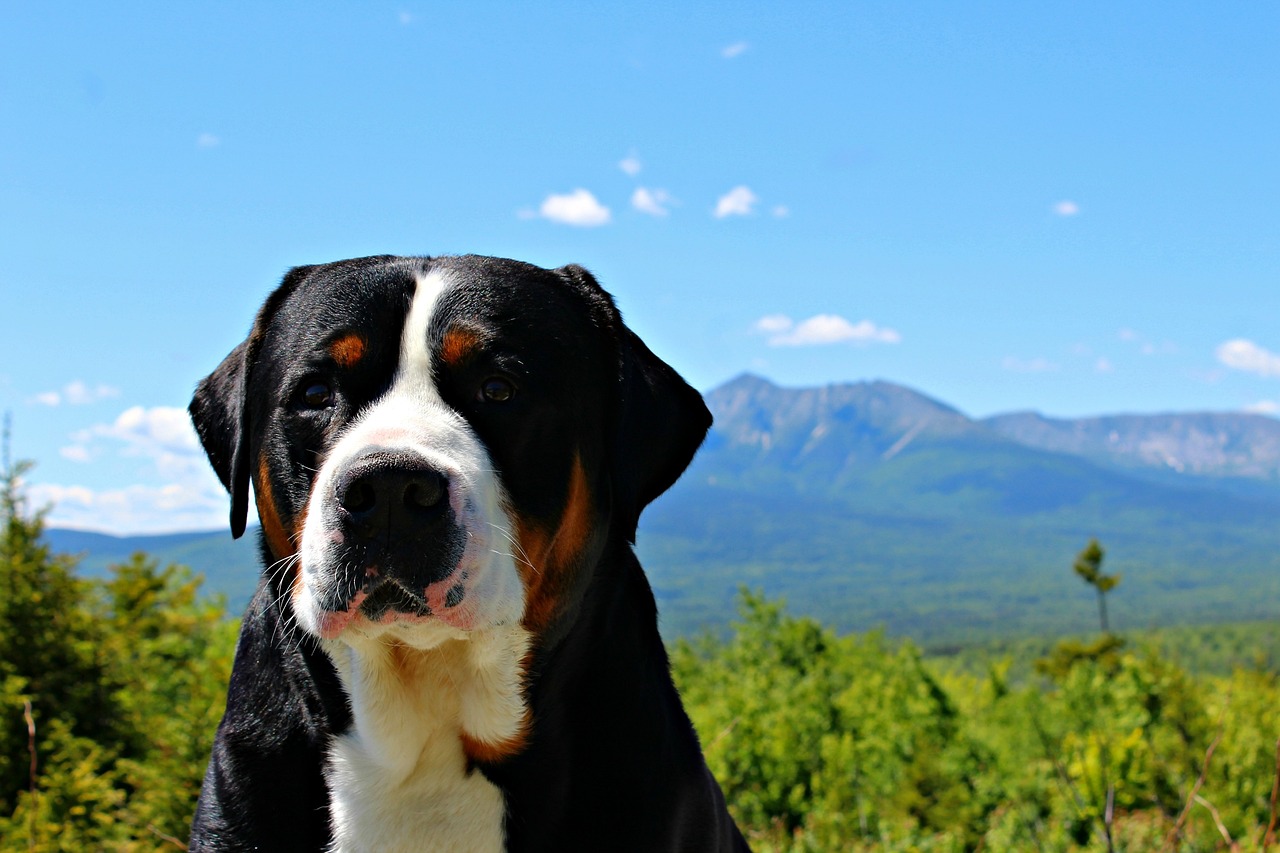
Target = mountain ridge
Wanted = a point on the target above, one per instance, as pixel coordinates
(870, 503)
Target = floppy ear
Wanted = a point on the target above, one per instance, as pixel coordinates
(220, 409)
(220, 416)
(661, 423)
(659, 419)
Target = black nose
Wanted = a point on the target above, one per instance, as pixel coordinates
(382, 494)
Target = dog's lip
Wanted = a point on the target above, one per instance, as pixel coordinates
(387, 596)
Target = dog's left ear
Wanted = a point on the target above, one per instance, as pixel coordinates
(218, 411)
(220, 407)
(660, 421)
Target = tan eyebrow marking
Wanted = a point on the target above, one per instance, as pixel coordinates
(348, 349)
(458, 344)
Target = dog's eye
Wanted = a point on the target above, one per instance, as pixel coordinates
(317, 395)
(496, 390)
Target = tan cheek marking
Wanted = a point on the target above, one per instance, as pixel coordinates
(347, 350)
(553, 554)
(279, 539)
(457, 345)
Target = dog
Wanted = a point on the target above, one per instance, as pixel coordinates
(453, 646)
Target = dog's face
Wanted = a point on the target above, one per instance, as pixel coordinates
(438, 446)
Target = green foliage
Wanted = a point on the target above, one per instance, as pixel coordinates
(116, 686)
(826, 742)
(821, 741)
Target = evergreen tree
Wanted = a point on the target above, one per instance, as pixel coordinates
(1088, 566)
(51, 648)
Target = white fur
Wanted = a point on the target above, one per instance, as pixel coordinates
(399, 778)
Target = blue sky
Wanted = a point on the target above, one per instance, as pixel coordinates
(1068, 207)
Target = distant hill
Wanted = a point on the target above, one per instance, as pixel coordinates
(1207, 444)
(229, 566)
(869, 504)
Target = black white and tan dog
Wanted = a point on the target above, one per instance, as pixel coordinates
(453, 646)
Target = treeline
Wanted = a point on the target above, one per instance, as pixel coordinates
(826, 742)
(110, 691)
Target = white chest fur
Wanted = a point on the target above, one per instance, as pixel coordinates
(399, 779)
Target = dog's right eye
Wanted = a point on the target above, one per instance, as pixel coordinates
(317, 395)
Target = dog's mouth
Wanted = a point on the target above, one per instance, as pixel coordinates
(389, 598)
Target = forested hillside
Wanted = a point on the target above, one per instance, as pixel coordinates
(872, 505)
(110, 690)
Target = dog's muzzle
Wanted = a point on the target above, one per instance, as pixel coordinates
(398, 529)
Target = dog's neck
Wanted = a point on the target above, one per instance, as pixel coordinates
(402, 776)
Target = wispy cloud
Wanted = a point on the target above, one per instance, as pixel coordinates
(208, 140)
(739, 201)
(1066, 208)
(631, 165)
(134, 509)
(77, 393)
(1263, 407)
(1145, 345)
(1104, 365)
(821, 329)
(734, 50)
(653, 202)
(1028, 365)
(162, 434)
(579, 208)
(187, 496)
(1246, 356)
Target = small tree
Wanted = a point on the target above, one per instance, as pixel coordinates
(1088, 566)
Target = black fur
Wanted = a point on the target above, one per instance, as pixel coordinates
(611, 761)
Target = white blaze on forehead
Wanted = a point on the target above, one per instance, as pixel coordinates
(415, 353)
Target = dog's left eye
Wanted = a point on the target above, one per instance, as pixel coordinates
(317, 395)
(496, 390)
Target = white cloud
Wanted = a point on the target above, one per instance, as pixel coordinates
(739, 201)
(1263, 407)
(207, 140)
(1028, 365)
(134, 509)
(781, 211)
(162, 429)
(77, 393)
(734, 50)
(162, 434)
(1104, 365)
(773, 323)
(1066, 208)
(188, 495)
(631, 165)
(578, 208)
(652, 202)
(822, 329)
(76, 453)
(1241, 354)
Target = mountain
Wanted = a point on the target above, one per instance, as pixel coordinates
(1208, 444)
(229, 566)
(869, 504)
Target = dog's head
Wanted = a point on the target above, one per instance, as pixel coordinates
(442, 445)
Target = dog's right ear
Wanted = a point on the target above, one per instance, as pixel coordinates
(220, 407)
(220, 415)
